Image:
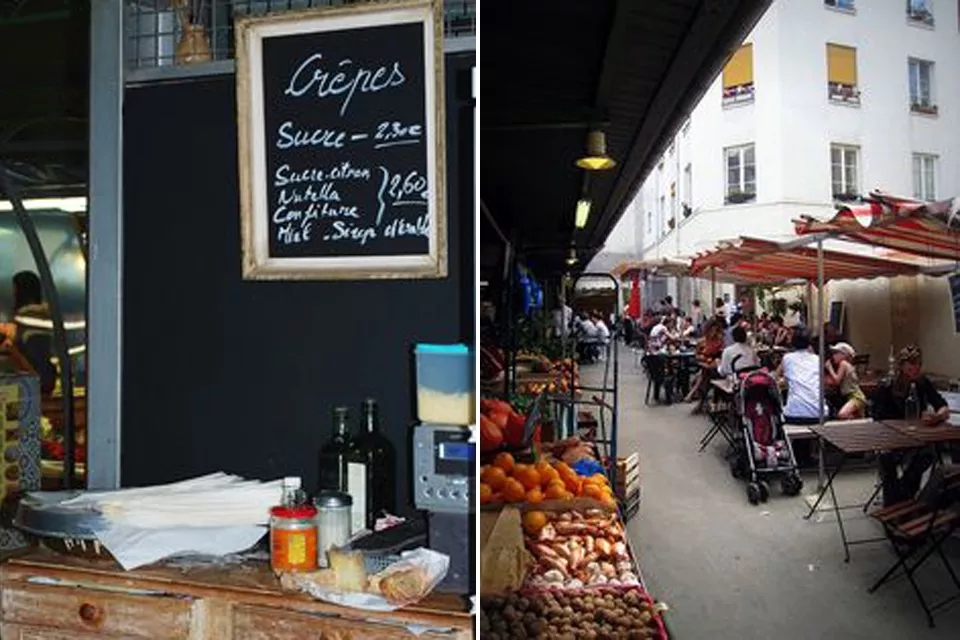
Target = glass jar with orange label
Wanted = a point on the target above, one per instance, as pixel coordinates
(293, 538)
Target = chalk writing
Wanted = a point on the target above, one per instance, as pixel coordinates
(310, 76)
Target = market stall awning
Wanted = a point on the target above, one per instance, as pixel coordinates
(662, 267)
(929, 229)
(761, 261)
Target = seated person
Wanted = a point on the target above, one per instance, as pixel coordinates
(889, 403)
(709, 351)
(737, 356)
(800, 369)
(842, 375)
(782, 335)
(687, 330)
(661, 334)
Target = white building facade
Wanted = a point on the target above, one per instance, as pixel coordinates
(827, 99)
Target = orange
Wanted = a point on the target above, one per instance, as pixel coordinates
(493, 476)
(592, 491)
(573, 484)
(609, 500)
(543, 466)
(486, 493)
(533, 521)
(518, 469)
(505, 461)
(528, 477)
(555, 491)
(567, 496)
(597, 478)
(513, 491)
(534, 496)
(549, 475)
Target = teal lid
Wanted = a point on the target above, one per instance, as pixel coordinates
(458, 349)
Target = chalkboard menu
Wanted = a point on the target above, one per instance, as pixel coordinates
(340, 116)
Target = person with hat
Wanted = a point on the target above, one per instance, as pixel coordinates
(890, 403)
(842, 375)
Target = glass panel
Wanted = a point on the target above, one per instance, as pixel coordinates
(733, 170)
(928, 178)
(835, 155)
(749, 176)
(924, 88)
(748, 155)
(917, 182)
(914, 81)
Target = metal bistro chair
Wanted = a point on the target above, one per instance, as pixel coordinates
(917, 529)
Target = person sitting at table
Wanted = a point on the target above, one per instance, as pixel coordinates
(800, 369)
(662, 333)
(686, 330)
(842, 375)
(588, 335)
(890, 403)
(709, 351)
(737, 356)
(782, 335)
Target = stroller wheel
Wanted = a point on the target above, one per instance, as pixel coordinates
(791, 484)
(753, 493)
(764, 490)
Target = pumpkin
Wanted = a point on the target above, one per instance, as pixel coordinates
(489, 406)
(491, 436)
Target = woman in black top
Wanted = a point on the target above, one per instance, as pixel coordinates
(889, 403)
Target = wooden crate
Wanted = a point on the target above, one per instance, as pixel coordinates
(627, 480)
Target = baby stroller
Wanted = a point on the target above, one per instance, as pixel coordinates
(764, 448)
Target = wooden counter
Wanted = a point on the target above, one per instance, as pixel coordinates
(44, 596)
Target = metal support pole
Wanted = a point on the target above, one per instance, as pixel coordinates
(713, 288)
(821, 351)
(56, 316)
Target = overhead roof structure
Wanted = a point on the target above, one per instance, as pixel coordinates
(659, 266)
(758, 261)
(551, 71)
(44, 95)
(929, 229)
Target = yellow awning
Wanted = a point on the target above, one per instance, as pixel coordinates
(842, 64)
(739, 68)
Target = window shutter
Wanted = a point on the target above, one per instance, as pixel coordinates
(739, 68)
(841, 64)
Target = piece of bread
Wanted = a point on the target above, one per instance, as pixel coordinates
(350, 569)
(404, 586)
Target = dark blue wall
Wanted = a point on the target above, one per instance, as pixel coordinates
(219, 373)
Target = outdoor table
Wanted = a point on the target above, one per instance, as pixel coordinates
(721, 422)
(853, 438)
(674, 369)
(937, 434)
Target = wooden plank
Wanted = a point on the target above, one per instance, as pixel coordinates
(10, 631)
(256, 623)
(88, 611)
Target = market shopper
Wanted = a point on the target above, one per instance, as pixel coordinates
(909, 391)
(842, 376)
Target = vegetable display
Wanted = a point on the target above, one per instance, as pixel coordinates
(602, 615)
(575, 550)
(505, 480)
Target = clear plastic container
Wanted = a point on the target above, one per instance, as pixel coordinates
(446, 387)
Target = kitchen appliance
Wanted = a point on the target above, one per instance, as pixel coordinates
(444, 484)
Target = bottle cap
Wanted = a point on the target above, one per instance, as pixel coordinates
(333, 500)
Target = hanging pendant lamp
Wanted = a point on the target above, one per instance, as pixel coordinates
(596, 158)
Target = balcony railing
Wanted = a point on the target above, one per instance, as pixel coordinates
(846, 93)
(739, 94)
(153, 31)
(924, 107)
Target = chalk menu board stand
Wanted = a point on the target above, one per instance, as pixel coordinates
(341, 139)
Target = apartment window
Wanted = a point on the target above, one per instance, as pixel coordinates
(846, 5)
(688, 186)
(842, 74)
(649, 221)
(924, 176)
(741, 174)
(663, 210)
(920, 12)
(738, 77)
(845, 171)
(921, 86)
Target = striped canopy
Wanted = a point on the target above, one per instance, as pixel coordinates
(757, 261)
(929, 229)
(660, 266)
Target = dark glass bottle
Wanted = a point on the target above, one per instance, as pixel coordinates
(333, 454)
(371, 465)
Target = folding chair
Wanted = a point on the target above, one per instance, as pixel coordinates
(917, 529)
